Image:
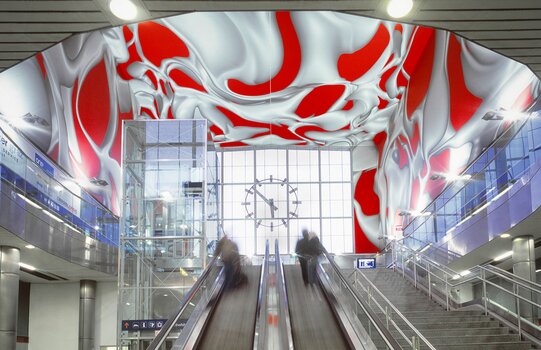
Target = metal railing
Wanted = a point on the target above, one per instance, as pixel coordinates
(198, 291)
(66, 202)
(285, 333)
(370, 322)
(389, 311)
(260, 334)
(496, 291)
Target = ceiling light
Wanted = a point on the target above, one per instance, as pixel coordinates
(503, 256)
(538, 270)
(29, 201)
(26, 266)
(465, 273)
(399, 8)
(123, 9)
(505, 235)
(29, 246)
(53, 216)
(96, 227)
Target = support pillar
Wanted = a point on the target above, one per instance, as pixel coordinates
(9, 296)
(87, 310)
(524, 266)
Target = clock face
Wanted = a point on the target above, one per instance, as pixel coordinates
(272, 202)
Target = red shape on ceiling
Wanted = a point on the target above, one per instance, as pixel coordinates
(352, 66)
(184, 80)
(418, 65)
(362, 243)
(463, 104)
(319, 100)
(159, 43)
(290, 65)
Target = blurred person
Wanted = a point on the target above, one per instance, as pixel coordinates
(314, 250)
(234, 276)
(302, 250)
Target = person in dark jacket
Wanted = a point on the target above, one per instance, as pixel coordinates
(301, 250)
(313, 250)
(231, 259)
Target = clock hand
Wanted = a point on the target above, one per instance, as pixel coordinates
(265, 199)
(273, 207)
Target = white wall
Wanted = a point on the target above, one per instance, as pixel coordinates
(106, 313)
(54, 316)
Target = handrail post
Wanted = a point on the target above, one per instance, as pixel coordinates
(429, 280)
(517, 299)
(446, 293)
(415, 269)
(485, 297)
(402, 258)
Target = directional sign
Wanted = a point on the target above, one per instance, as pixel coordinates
(144, 325)
(366, 263)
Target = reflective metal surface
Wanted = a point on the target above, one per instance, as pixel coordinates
(87, 311)
(9, 292)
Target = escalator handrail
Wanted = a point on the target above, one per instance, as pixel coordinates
(170, 324)
(286, 334)
(372, 317)
(260, 329)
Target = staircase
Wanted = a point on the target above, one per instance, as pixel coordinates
(464, 330)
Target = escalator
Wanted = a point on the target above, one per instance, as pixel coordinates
(312, 320)
(231, 325)
(273, 310)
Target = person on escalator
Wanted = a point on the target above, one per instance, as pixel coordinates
(230, 257)
(313, 251)
(301, 250)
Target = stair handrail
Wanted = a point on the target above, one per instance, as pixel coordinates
(170, 323)
(374, 320)
(396, 311)
(260, 329)
(478, 274)
(508, 275)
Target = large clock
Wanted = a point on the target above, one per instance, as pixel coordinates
(271, 202)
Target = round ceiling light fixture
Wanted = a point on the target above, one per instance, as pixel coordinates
(123, 9)
(399, 8)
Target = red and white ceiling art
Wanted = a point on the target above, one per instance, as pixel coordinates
(409, 99)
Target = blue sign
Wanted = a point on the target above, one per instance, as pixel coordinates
(366, 263)
(43, 164)
(146, 325)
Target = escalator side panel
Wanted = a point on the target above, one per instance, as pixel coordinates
(312, 320)
(232, 323)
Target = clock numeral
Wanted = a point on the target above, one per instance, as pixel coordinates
(272, 226)
(271, 179)
(284, 222)
(293, 190)
(293, 214)
(250, 215)
(245, 203)
(296, 202)
(258, 223)
(249, 191)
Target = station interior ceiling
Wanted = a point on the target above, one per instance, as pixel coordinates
(512, 28)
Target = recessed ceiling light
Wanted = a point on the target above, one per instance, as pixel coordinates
(123, 9)
(26, 266)
(399, 8)
(505, 235)
(29, 246)
(504, 256)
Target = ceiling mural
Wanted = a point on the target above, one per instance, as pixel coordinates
(409, 100)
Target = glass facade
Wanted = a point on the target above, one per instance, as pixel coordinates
(275, 193)
(506, 161)
(163, 242)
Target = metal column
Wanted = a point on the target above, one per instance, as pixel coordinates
(524, 266)
(9, 296)
(87, 309)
